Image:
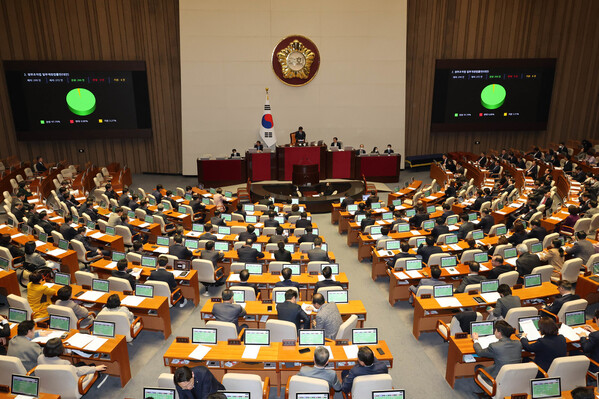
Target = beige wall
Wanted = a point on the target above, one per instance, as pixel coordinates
(358, 94)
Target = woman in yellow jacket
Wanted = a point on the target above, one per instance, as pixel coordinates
(38, 295)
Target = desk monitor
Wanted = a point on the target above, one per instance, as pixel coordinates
(365, 197)
(254, 268)
(103, 328)
(413, 264)
(236, 395)
(131, 215)
(182, 264)
(478, 234)
(428, 224)
(226, 230)
(226, 217)
(376, 205)
(206, 201)
(290, 248)
(188, 197)
(251, 219)
(91, 225)
(596, 268)
(509, 253)
(110, 230)
(296, 269)
(25, 385)
(536, 247)
(116, 256)
(239, 296)
(403, 227)
(541, 388)
(411, 212)
(431, 209)
(257, 247)
(146, 291)
(311, 337)
(532, 280)
(280, 219)
(43, 237)
(365, 336)
(387, 215)
(420, 241)
(442, 291)
(451, 239)
(100, 285)
(489, 286)
(212, 191)
(159, 393)
(337, 296)
(62, 278)
(203, 336)
(152, 200)
(359, 218)
(396, 202)
(26, 229)
(167, 205)
(314, 231)
(451, 220)
(392, 394)
(481, 257)
(501, 230)
(352, 207)
(75, 219)
(10, 222)
(163, 241)
(279, 296)
(534, 319)
(61, 323)
(575, 318)
(149, 219)
(191, 244)
(374, 230)
(449, 261)
(221, 246)
(197, 227)
(472, 217)
(16, 315)
(334, 267)
(256, 337)
(294, 201)
(483, 328)
(392, 245)
(4, 263)
(63, 244)
(149, 261)
(312, 395)
(324, 246)
(248, 207)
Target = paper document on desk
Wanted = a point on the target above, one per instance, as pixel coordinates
(199, 352)
(132, 300)
(182, 216)
(82, 354)
(111, 265)
(33, 201)
(351, 351)
(413, 273)
(379, 210)
(455, 247)
(453, 227)
(415, 232)
(449, 302)
(143, 225)
(452, 270)
(55, 218)
(251, 352)
(193, 234)
(401, 275)
(305, 308)
(176, 273)
(220, 236)
(511, 261)
(95, 344)
(381, 222)
(483, 268)
(98, 235)
(234, 277)
(91, 296)
(528, 327)
(490, 296)
(431, 197)
(161, 250)
(39, 243)
(376, 236)
(571, 333)
(485, 341)
(136, 272)
(242, 304)
(17, 235)
(321, 277)
(56, 252)
(80, 340)
(44, 339)
(383, 252)
(49, 285)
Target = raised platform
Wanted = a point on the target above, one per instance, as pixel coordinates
(283, 192)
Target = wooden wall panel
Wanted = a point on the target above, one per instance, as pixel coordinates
(446, 29)
(100, 30)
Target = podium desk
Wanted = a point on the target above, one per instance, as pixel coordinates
(380, 168)
(221, 172)
(261, 166)
(258, 313)
(340, 164)
(305, 174)
(289, 156)
(9, 283)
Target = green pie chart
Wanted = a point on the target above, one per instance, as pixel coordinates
(492, 96)
(81, 102)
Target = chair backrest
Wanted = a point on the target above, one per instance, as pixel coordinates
(424, 289)
(5, 253)
(301, 384)
(315, 265)
(509, 278)
(250, 294)
(544, 271)
(60, 380)
(501, 248)
(582, 224)
(124, 232)
(363, 386)
(10, 365)
(435, 259)
(468, 255)
(251, 383)
(171, 259)
(514, 314)
(121, 323)
(594, 224)
(161, 288)
(592, 260)
(205, 270)
(454, 325)
(236, 267)
(494, 228)
(140, 213)
(269, 231)
(472, 287)
(275, 266)
(84, 278)
(324, 290)
(284, 289)
(571, 306)
(119, 284)
(15, 301)
(305, 246)
(571, 369)
(56, 236)
(271, 247)
(237, 229)
(165, 380)
(345, 328)
(66, 312)
(102, 225)
(133, 257)
(300, 231)
(280, 330)
(224, 329)
(529, 241)
(237, 245)
(442, 237)
(515, 378)
(571, 269)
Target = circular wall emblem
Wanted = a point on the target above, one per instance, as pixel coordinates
(295, 60)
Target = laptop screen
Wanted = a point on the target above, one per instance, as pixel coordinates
(387, 216)
(334, 267)
(536, 247)
(63, 244)
(403, 227)
(61, 323)
(576, 318)
(239, 296)
(103, 328)
(365, 336)
(312, 395)
(163, 241)
(501, 230)
(159, 393)
(148, 261)
(116, 256)
(489, 286)
(481, 257)
(392, 245)
(256, 337)
(131, 215)
(290, 248)
(26, 229)
(393, 394)
(17, 315)
(451, 239)
(532, 280)
(311, 337)
(206, 201)
(279, 296)
(236, 395)
(510, 253)
(337, 296)
(420, 241)
(483, 328)
(251, 218)
(453, 219)
(100, 285)
(294, 201)
(24, 385)
(413, 264)
(198, 228)
(546, 388)
(254, 268)
(43, 237)
(147, 291)
(191, 244)
(534, 319)
(62, 278)
(449, 261)
(149, 219)
(221, 246)
(478, 234)
(428, 224)
(248, 207)
(445, 290)
(203, 335)
(182, 264)
(226, 230)
(472, 217)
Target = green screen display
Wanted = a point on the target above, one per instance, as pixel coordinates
(238, 296)
(25, 385)
(203, 336)
(414, 264)
(311, 337)
(337, 296)
(16, 315)
(144, 290)
(388, 395)
(100, 285)
(546, 388)
(148, 261)
(489, 286)
(103, 328)
(532, 280)
(449, 261)
(575, 318)
(443, 290)
(254, 268)
(59, 323)
(62, 278)
(257, 337)
(483, 328)
(364, 336)
(403, 228)
(159, 393)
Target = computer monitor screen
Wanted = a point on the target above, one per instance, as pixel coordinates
(542, 388)
(509, 253)
(59, 322)
(449, 261)
(16, 315)
(159, 393)
(197, 227)
(359, 218)
(536, 247)
(312, 395)
(445, 290)
(334, 267)
(103, 328)
(24, 385)
(375, 205)
(413, 264)
(352, 208)
(575, 318)
(239, 296)
(431, 209)
(387, 216)
(163, 241)
(181, 209)
(257, 247)
(392, 394)
(63, 244)
(151, 201)
(110, 230)
(226, 230)
(324, 246)
(248, 207)
(257, 337)
(290, 248)
(472, 217)
(296, 269)
(131, 214)
(100, 285)
(221, 246)
(226, 217)
(91, 225)
(236, 395)
(311, 337)
(149, 219)
(25, 229)
(478, 234)
(337, 296)
(203, 335)
(206, 201)
(62, 278)
(501, 230)
(489, 286)
(279, 296)
(411, 212)
(420, 241)
(365, 336)
(428, 224)
(148, 261)
(403, 227)
(392, 245)
(374, 230)
(251, 218)
(532, 280)
(191, 244)
(116, 256)
(534, 319)
(481, 257)
(43, 237)
(182, 264)
(451, 239)
(596, 268)
(144, 290)
(451, 220)
(483, 328)
(254, 268)
(294, 201)
(188, 197)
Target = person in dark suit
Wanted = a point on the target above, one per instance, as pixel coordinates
(18, 210)
(433, 280)
(425, 251)
(308, 237)
(258, 146)
(446, 212)
(486, 221)
(419, 217)
(275, 238)
(367, 365)
(568, 165)
(178, 249)
(498, 267)
(472, 278)
(526, 261)
(328, 281)
(482, 161)
(566, 290)
(533, 171)
(582, 248)
(367, 221)
(271, 221)
(405, 253)
(197, 205)
(248, 234)
(451, 191)
(537, 231)
(157, 193)
(234, 154)
(291, 311)
(579, 175)
(546, 200)
(480, 199)
(195, 383)
(39, 165)
(519, 234)
(466, 226)
(217, 220)
(346, 201)
(66, 230)
(124, 199)
(122, 272)
(361, 150)
(300, 135)
(286, 273)
(303, 221)
(505, 302)
(248, 254)
(388, 150)
(228, 310)
(336, 143)
(281, 254)
(161, 274)
(439, 229)
(210, 254)
(88, 208)
(316, 253)
(244, 276)
(505, 351)
(549, 347)
(207, 235)
(590, 344)
(46, 224)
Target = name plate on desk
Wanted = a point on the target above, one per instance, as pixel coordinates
(126, 292)
(517, 286)
(234, 341)
(341, 342)
(216, 299)
(275, 273)
(425, 296)
(288, 342)
(182, 340)
(266, 301)
(461, 335)
(314, 273)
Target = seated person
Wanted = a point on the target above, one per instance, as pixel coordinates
(234, 154)
(405, 253)
(303, 221)
(124, 273)
(388, 150)
(336, 143)
(439, 229)
(178, 249)
(321, 359)
(425, 251)
(209, 253)
(367, 365)
(294, 211)
(505, 302)
(258, 146)
(161, 274)
(419, 217)
(271, 221)
(275, 238)
(39, 165)
(5, 242)
(498, 267)
(113, 304)
(247, 254)
(217, 219)
(91, 251)
(21, 346)
(434, 280)
(248, 234)
(526, 261)
(367, 221)
(228, 310)
(566, 290)
(590, 344)
(472, 278)
(466, 226)
(195, 383)
(505, 351)
(327, 317)
(328, 281)
(549, 347)
(308, 237)
(281, 254)
(65, 299)
(486, 221)
(582, 248)
(32, 257)
(286, 273)
(244, 276)
(207, 234)
(38, 295)
(292, 312)
(553, 255)
(51, 356)
(519, 234)
(317, 253)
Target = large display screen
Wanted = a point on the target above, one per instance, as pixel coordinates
(503, 94)
(78, 99)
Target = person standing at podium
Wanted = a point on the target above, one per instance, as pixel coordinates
(300, 136)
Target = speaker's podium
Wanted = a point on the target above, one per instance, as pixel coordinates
(305, 174)
(309, 159)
